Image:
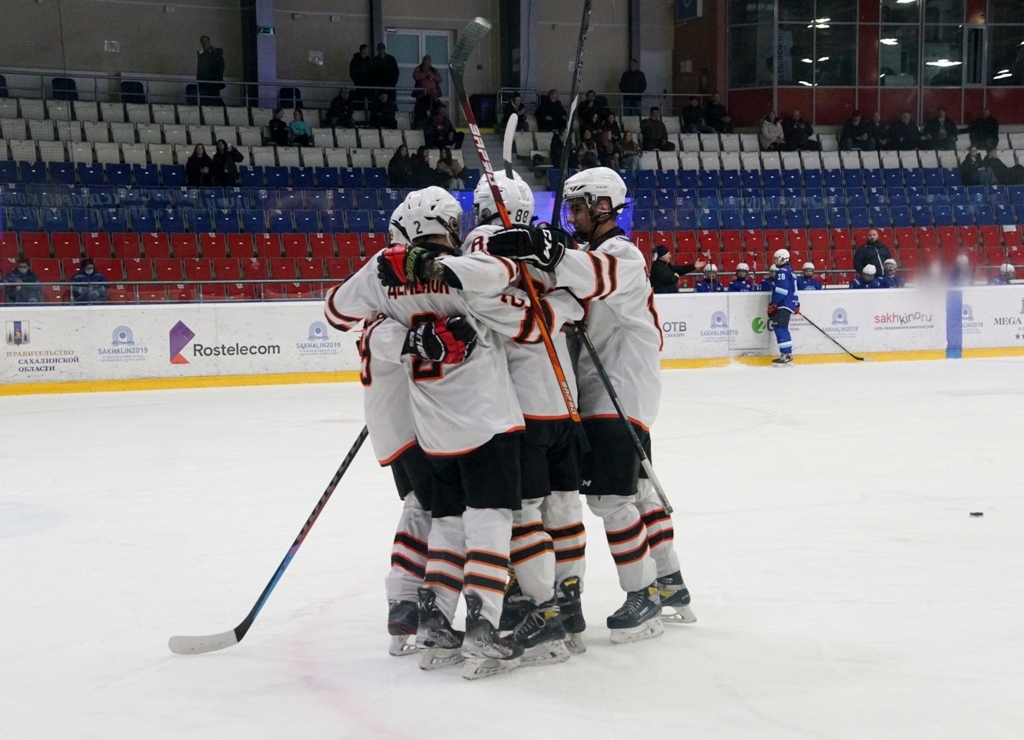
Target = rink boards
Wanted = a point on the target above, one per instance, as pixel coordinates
(123, 347)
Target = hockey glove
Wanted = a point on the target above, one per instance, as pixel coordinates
(449, 340)
(773, 311)
(403, 264)
(543, 248)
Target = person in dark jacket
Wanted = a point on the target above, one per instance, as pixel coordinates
(709, 283)
(984, 132)
(872, 252)
(557, 146)
(654, 134)
(359, 73)
(209, 72)
(199, 168)
(664, 275)
(340, 111)
(717, 116)
(550, 113)
(1004, 174)
(632, 85)
(976, 171)
(384, 72)
(693, 118)
(225, 164)
(383, 112)
(866, 279)
(742, 283)
(878, 131)
(278, 128)
(400, 174)
(23, 284)
(904, 134)
(439, 132)
(939, 133)
(798, 133)
(423, 175)
(515, 105)
(88, 286)
(855, 134)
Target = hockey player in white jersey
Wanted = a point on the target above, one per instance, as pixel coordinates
(610, 274)
(548, 538)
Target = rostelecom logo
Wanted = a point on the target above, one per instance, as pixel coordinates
(180, 335)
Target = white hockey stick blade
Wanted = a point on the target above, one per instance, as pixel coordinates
(186, 645)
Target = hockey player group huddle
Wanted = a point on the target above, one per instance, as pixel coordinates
(462, 402)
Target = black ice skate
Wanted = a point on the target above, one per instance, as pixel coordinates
(675, 596)
(571, 608)
(515, 606)
(639, 618)
(783, 360)
(542, 636)
(403, 621)
(485, 652)
(440, 645)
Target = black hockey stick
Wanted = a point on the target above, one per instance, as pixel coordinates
(574, 99)
(859, 359)
(186, 645)
(468, 39)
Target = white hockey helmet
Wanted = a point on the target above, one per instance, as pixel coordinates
(889, 266)
(743, 266)
(962, 260)
(1007, 269)
(428, 212)
(515, 194)
(780, 257)
(808, 266)
(869, 270)
(594, 184)
(711, 269)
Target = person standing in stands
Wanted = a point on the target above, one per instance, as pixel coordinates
(664, 275)
(209, 72)
(88, 286)
(23, 285)
(743, 283)
(872, 252)
(225, 164)
(199, 168)
(359, 73)
(427, 79)
(384, 72)
(632, 85)
(806, 279)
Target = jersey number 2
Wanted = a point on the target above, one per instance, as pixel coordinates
(425, 369)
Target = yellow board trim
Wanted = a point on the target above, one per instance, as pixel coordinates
(231, 381)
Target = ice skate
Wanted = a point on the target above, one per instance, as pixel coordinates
(440, 645)
(571, 609)
(639, 618)
(403, 621)
(486, 653)
(783, 360)
(542, 636)
(675, 596)
(516, 605)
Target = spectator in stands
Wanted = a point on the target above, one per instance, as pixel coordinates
(717, 117)
(611, 123)
(586, 152)
(451, 169)
(664, 275)
(439, 131)
(1005, 175)
(806, 280)
(984, 132)
(768, 284)
(653, 134)
(890, 279)
(588, 106)
(199, 168)
(557, 147)
(962, 274)
(866, 279)
(743, 283)
(550, 113)
(359, 73)
(384, 72)
(693, 118)
(904, 134)
(608, 150)
(515, 105)
(298, 130)
(88, 286)
(225, 164)
(425, 108)
(340, 111)
(878, 131)
(23, 285)
(209, 72)
(872, 252)
(798, 134)
(630, 157)
(594, 123)
(278, 128)
(400, 173)
(383, 111)
(423, 175)
(1006, 275)
(976, 171)
(855, 134)
(709, 283)
(632, 85)
(426, 78)
(770, 134)
(939, 133)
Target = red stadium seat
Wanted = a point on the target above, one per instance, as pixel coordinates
(358, 262)
(906, 238)
(226, 269)
(732, 240)
(1012, 238)
(66, 246)
(774, 239)
(126, 246)
(995, 255)
(241, 291)
(798, 241)
(969, 236)
(47, 270)
(753, 240)
(182, 293)
(111, 269)
(185, 246)
(138, 270)
(69, 267)
(213, 293)
(709, 242)
(156, 246)
(96, 245)
(841, 239)
(662, 237)
(152, 294)
(948, 238)
(338, 268)
(310, 268)
(843, 259)
(686, 243)
(275, 291)
(348, 245)
(304, 291)
(927, 238)
(321, 245)
(56, 294)
(240, 246)
(909, 258)
(268, 246)
(198, 269)
(373, 243)
(119, 293)
(35, 246)
(215, 246)
(255, 268)
(644, 241)
(990, 236)
(8, 245)
(168, 270)
(821, 240)
(282, 268)
(295, 245)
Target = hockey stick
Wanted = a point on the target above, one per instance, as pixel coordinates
(574, 100)
(859, 359)
(191, 645)
(468, 39)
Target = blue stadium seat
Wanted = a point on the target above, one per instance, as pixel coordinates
(901, 217)
(253, 221)
(665, 198)
(351, 177)
(792, 197)
(922, 215)
(917, 196)
(8, 172)
(33, 172)
(957, 195)
(708, 197)
(837, 218)
(161, 198)
(646, 179)
(128, 196)
(343, 200)
(856, 198)
(792, 179)
(262, 198)
(200, 220)
(142, 220)
(375, 177)
(932, 176)
(997, 195)
(224, 221)
(278, 221)
(84, 221)
(1016, 194)
(983, 216)
(943, 215)
(731, 219)
(880, 217)
(333, 221)
(21, 218)
(686, 218)
(146, 176)
(277, 177)
(171, 221)
(62, 173)
(365, 199)
(627, 177)
(963, 215)
(287, 199)
(752, 218)
(687, 198)
(307, 222)
(877, 196)
(326, 177)
(773, 198)
(833, 178)
(730, 198)
(835, 196)
(859, 218)
(302, 177)
(172, 175)
(873, 178)
(688, 179)
(390, 199)
(211, 198)
(814, 197)
(771, 178)
(113, 219)
(186, 197)
(853, 178)
(730, 178)
(795, 218)
(1004, 216)
(898, 197)
(708, 179)
(642, 198)
(472, 178)
(118, 174)
(774, 218)
(913, 176)
(358, 221)
(977, 194)
(751, 178)
(380, 221)
(643, 220)
(951, 177)
(813, 179)
(97, 196)
(664, 219)
(252, 177)
(937, 196)
(816, 218)
(55, 219)
(708, 218)
(667, 179)
(318, 200)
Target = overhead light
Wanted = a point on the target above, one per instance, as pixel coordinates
(805, 83)
(807, 61)
(823, 59)
(1003, 72)
(1002, 76)
(942, 63)
(822, 20)
(905, 2)
(889, 42)
(881, 75)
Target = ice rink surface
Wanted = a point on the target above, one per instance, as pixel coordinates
(841, 587)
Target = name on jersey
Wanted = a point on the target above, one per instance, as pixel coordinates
(432, 287)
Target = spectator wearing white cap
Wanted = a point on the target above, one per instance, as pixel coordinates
(866, 279)
(768, 284)
(743, 283)
(1006, 274)
(890, 279)
(806, 279)
(709, 283)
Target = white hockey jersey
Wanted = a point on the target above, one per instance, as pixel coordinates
(387, 405)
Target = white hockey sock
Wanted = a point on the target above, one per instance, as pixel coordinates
(562, 512)
(446, 557)
(532, 554)
(627, 539)
(488, 540)
(409, 552)
(660, 534)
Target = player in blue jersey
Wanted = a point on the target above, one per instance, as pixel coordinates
(768, 284)
(709, 283)
(806, 279)
(743, 282)
(1006, 274)
(889, 278)
(866, 279)
(782, 305)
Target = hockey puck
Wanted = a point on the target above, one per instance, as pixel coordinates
(977, 513)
